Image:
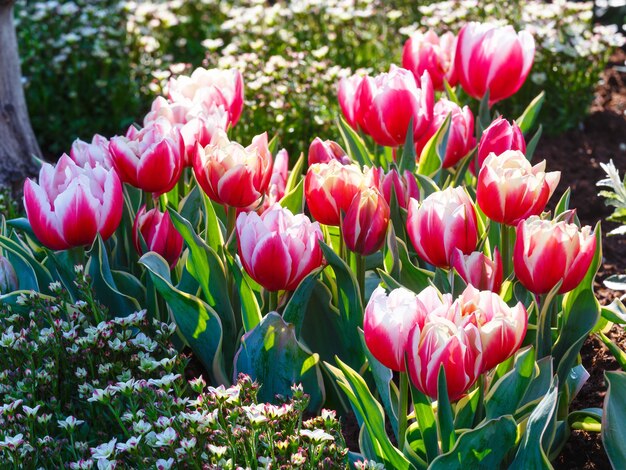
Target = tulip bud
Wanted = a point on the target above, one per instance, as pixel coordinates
(494, 58)
(92, 154)
(389, 101)
(445, 221)
(71, 205)
(547, 251)
(8, 276)
(365, 225)
(499, 137)
(405, 187)
(150, 159)
(509, 189)
(323, 151)
(348, 95)
(231, 174)
(278, 249)
(159, 234)
(434, 54)
(200, 130)
(461, 138)
(478, 270)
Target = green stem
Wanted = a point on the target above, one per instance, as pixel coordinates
(231, 221)
(273, 301)
(505, 246)
(544, 324)
(149, 201)
(480, 406)
(181, 186)
(360, 272)
(403, 411)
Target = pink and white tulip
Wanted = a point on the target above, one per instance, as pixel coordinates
(71, 204)
(461, 138)
(365, 225)
(200, 130)
(150, 159)
(493, 58)
(444, 221)
(510, 189)
(92, 154)
(348, 94)
(278, 182)
(434, 54)
(499, 137)
(478, 270)
(231, 174)
(278, 249)
(323, 151)
(158, 233)
(403, 186)
(547, 251)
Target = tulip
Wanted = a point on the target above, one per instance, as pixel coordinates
(92, 154)
(150, 159)
(210, 87)
(323, 151)
(443, 343)
(461, 138)
(499, 137)
(405, 187)
(8, 276)
(158, 233)
(548, 251)
(389, 101)
(434, 54)
(365, 225)
(502, 328)
(231, 174)
(387, 322)
(478, 270)
(329, 189)
(445, 221)
(493, 58)
(278, 182)
(175, 113)
(71, 205)
(201, 129)
(278, 249)
(348, 95)
(510, 189)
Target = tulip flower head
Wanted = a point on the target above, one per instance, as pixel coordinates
(150, 159)
(158, 233)
(405, 187)
(200, 130)
(434, 54)
(478, 270)
(323, 151)
(71, 205)
(365, 225)
(510, 189)
(493, 58)
(278, 249)
(444, 221)
(92, 154)
(348, 94)
(278, 182)
(231, 174)
(548, 251)
(499, 137)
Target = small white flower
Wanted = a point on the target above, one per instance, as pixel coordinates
(163, 464)
(218, 451)
(104, 451)
(142, 427)
(70, 423)
(165, 438)
(12, 442)
(230, 395)
(130, 445)
(316, 435)
(31, 412)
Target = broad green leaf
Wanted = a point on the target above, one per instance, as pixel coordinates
(411, 276)
(355, 146)
(445, 421)
(465, 409)
(589, 419)
(192, 205)
(295, 175)
(450, 92)
(615, 312)
(618, 353)
(407, 160)
(294, 200)
(483, 119)
(198, 323)
(296, 307)
(250, 309)
(212, 231)
(36, 276)
(616, 282)
(482, 448)
(431, 158)
(540, 383)
(532, 145)
(614, 419)
(426, 421)
(563, 204)
(529, 116)
(427, 186)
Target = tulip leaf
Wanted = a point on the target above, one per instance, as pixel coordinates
(615, 282)
(483, 119)
(614, 418)
(130, 285)
(618, 353)
(391, 258)
(198, 323)
(370, 413)
(615, 312)
(529, 116)
(532, 144)
(414, 278)
(250, 309)
(466, 409)
(295, 175)
(538, 387)
(190, 208)
(445, 418)
(296, 308)
(484, 447)
(294, 200)
(451, 93)
(563, 204)
(22, 224)
(427, 422)
(538, 434)
(408, 157)
(589, 419)
(432, 155)
(212, 232)
(506, 394)
(36, 276)
(354, 144)
(271, 354)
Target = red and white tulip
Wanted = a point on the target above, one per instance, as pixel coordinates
(403, 186)
(499, 137)
(323, 151)
(158, 233)
(365, 225)
(434, 54)
(92, 154)
(478, 270)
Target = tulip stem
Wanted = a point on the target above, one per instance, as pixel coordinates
(273, 301)
(360, 271)
(544, 327)
(149, 201)
(505, 238)
(231, 220)
(403, 409)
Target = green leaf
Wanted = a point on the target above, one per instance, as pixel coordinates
(432, 155)
(589, 419)
(427, 422)
(407, 160)
(532, 145)
(294, 200)
(529, 116)
(618, 353)
(296, 308)
(484, 116)
(614, 419)
(198, 323)
(192, 205)
(616, 281)
(354, 144)
(445, 419)
(250, 309)
(427, 186)
(450, 92)
(35, 276)
(414, 278)
(466, 409)
(295, 174)
(563, 204)
(213, 231)
(271, 354)
(506, 394)
(482, 448)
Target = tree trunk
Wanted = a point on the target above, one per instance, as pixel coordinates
(17, 140)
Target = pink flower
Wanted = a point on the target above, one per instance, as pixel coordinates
(499, 137)
(348, 95)
(445, 221)
(201, 129)
(547, 251)
(278, 249)
(509, 189)
(365, 225)
(461, 138)
(479, 270)
(150, 159)
(405, 187)
(389, 101)
(231, 174)
(434, 54)
(92, 154)
(175, 113)
(278, 182)
(494, 58)
(323, 151)
(158, 233)
(71, 205)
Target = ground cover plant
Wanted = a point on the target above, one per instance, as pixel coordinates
(408, 272)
